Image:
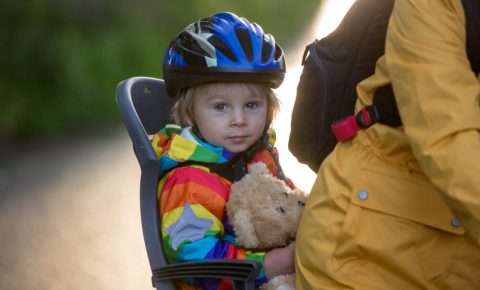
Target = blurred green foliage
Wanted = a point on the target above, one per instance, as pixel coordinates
(60, 60)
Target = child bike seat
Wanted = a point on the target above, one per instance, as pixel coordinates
(145, 109)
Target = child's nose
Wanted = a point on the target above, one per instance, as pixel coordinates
(238, 118)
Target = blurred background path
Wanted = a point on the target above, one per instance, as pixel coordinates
(69, 209)
(70, 219)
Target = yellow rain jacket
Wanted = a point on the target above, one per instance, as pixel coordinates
(399, 208)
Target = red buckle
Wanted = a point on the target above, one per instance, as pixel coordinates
(345, 129)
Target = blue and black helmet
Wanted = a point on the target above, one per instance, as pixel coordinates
(222, 48)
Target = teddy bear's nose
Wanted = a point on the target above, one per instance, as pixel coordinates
(280, 209)
(301, 203)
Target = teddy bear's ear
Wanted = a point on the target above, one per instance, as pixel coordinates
(258, 168)
(244, 230)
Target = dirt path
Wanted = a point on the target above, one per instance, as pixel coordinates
(69, 217)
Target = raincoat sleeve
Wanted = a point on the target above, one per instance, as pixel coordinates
(192, 207)
(438, 99)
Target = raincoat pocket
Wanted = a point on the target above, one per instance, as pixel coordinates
(397, 226)
(403, 195)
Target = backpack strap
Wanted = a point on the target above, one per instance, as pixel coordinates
(384, 109)
(472, 25)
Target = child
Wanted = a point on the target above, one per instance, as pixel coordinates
(222, 69)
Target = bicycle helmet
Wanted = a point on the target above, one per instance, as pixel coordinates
(222, 48)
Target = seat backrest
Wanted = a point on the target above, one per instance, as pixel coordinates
(145, 109)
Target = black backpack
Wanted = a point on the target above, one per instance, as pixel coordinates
(334, 65)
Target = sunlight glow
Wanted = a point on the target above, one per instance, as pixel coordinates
(330, 15)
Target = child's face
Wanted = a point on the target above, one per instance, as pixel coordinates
(231, 115)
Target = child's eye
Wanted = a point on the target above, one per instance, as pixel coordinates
(220, 107)
(252, 105)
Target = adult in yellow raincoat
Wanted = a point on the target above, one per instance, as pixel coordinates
(399, 208)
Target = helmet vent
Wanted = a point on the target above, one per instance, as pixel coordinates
(278, 52)
(204, 25)
(266, 51)
(192, 52)
(245, 41)
(222, 47)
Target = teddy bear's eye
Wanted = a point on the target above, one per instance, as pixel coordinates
(301, 203)
(286, 194)
(280, 209)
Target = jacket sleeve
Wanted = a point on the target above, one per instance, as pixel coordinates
(192, 208)
(438, 99)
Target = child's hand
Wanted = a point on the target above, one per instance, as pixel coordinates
(279, 261)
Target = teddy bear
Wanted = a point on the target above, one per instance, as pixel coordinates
(265, 213)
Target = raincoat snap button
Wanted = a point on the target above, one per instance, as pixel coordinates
(455, 222)
(362, 195)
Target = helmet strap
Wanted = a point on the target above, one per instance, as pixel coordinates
(197, 133)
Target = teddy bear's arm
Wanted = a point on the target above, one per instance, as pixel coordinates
(244, 229)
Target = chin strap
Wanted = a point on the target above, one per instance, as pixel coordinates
(236, 168)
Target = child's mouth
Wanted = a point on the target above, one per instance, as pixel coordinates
(237, 139)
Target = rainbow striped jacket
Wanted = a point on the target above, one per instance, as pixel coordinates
(192, 203)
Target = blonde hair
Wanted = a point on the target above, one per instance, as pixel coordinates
(182, 111)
